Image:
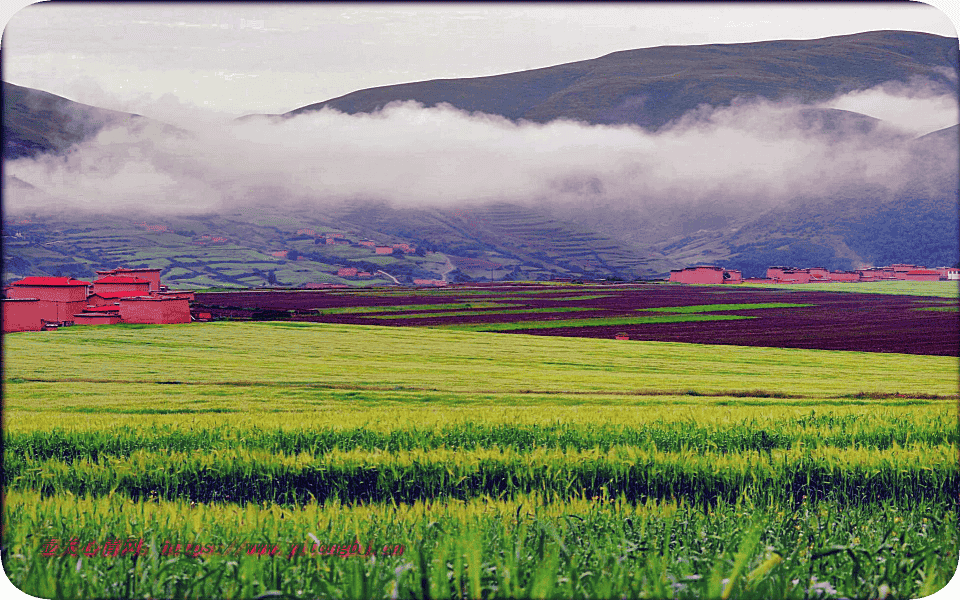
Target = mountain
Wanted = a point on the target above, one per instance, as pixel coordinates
(653, 86)
(37, 122)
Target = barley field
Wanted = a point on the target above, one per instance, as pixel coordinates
(318, 460)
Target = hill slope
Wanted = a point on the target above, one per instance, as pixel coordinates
(653, 86)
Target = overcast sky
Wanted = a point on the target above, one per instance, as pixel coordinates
(178, 61)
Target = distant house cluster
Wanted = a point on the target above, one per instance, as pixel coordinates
(705, 275)
(790, 275)
(117, 296)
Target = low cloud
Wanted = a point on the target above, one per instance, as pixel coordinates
(919, 107)
(744, 157)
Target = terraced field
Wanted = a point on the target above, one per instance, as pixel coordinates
(735, 315)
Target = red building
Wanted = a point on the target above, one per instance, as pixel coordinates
(347, 272)
(384, 250)
(96, 318)
(877, 274)
(844, 276)
(900, 271)
(108, 298)
(788, 275)
(705, 275)
(154, 309)
(949, 273)
(921, 275)
(151, 275)
(22, 314)
(136, 286)
(59, 297)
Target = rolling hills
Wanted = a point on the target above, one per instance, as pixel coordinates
(654, 86)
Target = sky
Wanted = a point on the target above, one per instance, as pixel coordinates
(177, 61)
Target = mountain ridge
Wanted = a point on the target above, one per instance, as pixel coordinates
(626, 86)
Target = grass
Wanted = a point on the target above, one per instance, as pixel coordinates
(502, 466)
(351, 310)
(591, 322)
(939, 289)
(494, 310)
(451, 362)
(721, 307)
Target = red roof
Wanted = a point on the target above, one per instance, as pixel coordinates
(121, 294)
(121, 279)
(57, 281)
(923, 272)
(107, 308)
(125, 270)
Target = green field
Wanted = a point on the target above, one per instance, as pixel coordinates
(475, 465)
(942, 289)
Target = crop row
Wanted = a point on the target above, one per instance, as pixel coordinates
(486, 548)
(842, 431)
(850, 476)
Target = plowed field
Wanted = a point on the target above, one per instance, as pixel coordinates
(788, 318)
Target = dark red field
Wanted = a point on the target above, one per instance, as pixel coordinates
(835, 321)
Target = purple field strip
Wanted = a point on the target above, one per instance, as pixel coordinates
(836, 321)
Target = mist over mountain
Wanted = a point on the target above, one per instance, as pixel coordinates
(625, 166)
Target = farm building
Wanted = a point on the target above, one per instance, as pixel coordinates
(120, 296)
(921, 275)
(97, 318)
(347, 272)
(154, 309)
(22, 314)
(877, 274)
(844, 276)
(705, 275)
(109, 298)
(433, 282)
(384, 250)
(788, 275)
(58, 297)
(949, 273)
(136, 286)
(151, 275)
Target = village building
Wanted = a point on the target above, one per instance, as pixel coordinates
(120, 296)
(151, 275)
(921, 275)
(108, 298)
(121, 283)
(347, 272)
(58, 297)
(846, 276)
(384, 250)
(22, 314)
(705, 275)
(949, 273)
(97, 318)
(154, 309)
